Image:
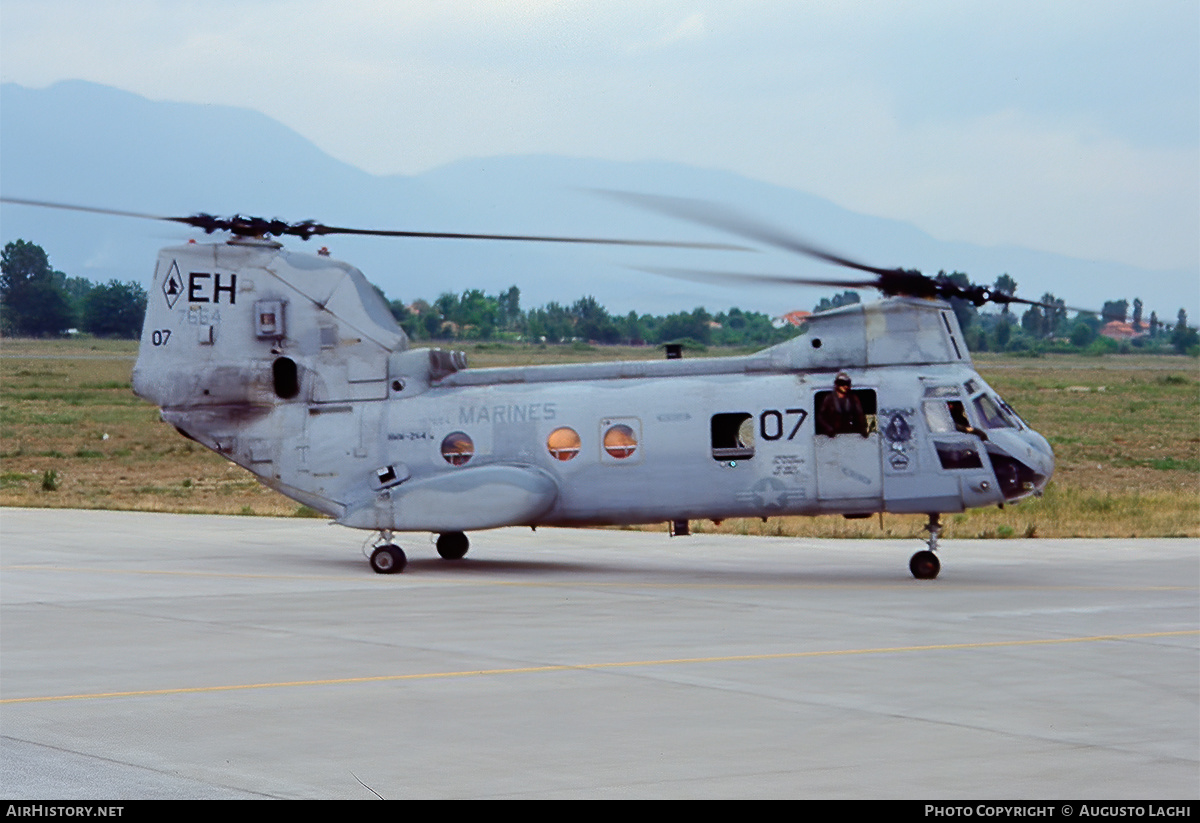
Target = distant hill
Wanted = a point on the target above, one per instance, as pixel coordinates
(87, 144)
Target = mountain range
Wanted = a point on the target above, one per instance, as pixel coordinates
(86, 144)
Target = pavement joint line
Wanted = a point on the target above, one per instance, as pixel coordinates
(602, 666)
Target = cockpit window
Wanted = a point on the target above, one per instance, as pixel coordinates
(1012, 414)
(992, 415)
(944, 416)
(942, 391)
(937, 416)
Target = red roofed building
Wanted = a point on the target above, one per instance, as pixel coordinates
(796, 318)
(1120, 330)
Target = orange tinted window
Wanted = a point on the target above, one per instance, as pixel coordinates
(563, 443)
(457, 448)
(620, 442)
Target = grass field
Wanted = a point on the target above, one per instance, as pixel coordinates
(1125, 431)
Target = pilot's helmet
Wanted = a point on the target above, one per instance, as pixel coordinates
(842, 379)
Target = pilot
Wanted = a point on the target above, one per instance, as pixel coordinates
(959, 415)
(841, 412)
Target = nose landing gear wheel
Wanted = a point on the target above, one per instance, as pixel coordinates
(388, 560)
(924, 565)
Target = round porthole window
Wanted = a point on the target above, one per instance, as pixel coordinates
(563, 443)
(457, 448)
(620, 441)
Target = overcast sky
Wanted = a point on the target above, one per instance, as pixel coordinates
(1058, 125)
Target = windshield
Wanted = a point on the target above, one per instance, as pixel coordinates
(992, 414)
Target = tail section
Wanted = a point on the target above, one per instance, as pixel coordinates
(245, 325)
(260, 355)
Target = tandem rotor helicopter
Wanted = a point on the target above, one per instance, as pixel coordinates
(291, 366)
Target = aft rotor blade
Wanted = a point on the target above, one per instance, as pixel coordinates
(48, 205)
(257, 226)
(532, 238)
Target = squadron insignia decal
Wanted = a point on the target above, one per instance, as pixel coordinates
(172, 285)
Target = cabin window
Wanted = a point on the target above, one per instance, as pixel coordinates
(285, 377)
(563, 443)
(858, 419)
(620, 441)
(457, 448)
(732, 436)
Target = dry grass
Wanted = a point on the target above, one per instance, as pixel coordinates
(1125, 429)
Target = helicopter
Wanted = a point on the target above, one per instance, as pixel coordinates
(292, 366)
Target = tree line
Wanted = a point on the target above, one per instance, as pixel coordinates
(36, 300)
(473, 315)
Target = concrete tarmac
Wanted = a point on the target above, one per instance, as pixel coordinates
(169, 656)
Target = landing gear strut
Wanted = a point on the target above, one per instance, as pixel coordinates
(388, 558)
(925, 565)
(453, 545)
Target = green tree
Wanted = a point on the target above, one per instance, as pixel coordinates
(1082, 334)
(77, 290)
(964, 310)
(1115, 310)
(509, 304)
(846, 298)
(1005, 285)
(592, 321)
(632, 329)
(1033, 321)
(693, 325)
(1184, 338)
(1004, 330)
(32, 300)
(114, 310)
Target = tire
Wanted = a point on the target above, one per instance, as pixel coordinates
(388, 560)
(453, 545)
(924, 565)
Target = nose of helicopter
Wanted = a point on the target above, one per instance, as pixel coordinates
(1023, 461)
(1042, 460)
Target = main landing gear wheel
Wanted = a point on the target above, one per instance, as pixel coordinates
(388, 560)
(453, 545)
(924, 565)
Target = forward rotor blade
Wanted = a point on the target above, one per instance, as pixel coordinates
(889, 281)
(724, 278)
(1001, 297)
(725, 219)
